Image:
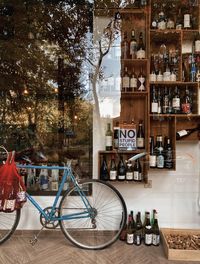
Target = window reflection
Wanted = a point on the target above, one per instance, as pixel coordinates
(44, 82)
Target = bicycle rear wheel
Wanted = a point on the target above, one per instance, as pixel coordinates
(8, 224)
(109, 217)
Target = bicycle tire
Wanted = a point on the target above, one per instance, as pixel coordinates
(8, 224)
(111, 215)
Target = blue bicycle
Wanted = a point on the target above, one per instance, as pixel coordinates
(91, 214)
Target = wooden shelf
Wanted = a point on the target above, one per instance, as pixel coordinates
(134, 93)
(101, 152)
(173, 83)
(175, 115)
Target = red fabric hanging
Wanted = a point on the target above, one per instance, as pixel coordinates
(11, 185)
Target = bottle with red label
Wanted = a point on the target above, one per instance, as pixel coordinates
(186, 105)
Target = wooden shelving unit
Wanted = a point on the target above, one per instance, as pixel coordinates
(137, 105)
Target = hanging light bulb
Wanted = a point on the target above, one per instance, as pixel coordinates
(25, 92)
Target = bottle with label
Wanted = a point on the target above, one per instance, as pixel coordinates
(133, 82)
(141, 81)
(165, 105)
(109, 138)
(129, 171)
(185, 73)
(187, 21)
(137, 171)
(133, 45)
(179, 20)
(143, 3)
(116, 130)
(113, 169)
(104, 175)
(152, 156)
(168, 163)
(9, 203)
(154, 102)
(159, 102)
(121, 171)
(129, 233)
(44, 179)
(186, 104)
(162, 20)
(155, 231)
(152, 76)
(125, 81)
(141, 54)
(193, 72)
(186, 132)
(159, 153)
(197, 43)
(176, 101)
(170, 108)
(138, 230)
(125, 47)
(148, 231)
(140, 136)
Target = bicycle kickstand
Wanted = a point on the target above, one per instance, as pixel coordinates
(34, 240)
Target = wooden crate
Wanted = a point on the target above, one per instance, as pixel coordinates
(180, 254)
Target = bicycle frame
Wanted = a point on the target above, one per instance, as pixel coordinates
(67, 174)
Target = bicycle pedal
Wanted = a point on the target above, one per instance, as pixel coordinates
(33, 241)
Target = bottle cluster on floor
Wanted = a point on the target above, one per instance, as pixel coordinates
(136, 232)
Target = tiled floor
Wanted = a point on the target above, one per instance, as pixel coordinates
(51, 249)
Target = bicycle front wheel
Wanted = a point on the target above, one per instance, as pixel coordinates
(8, 224)
(105, 225)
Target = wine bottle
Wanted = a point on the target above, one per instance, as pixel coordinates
(129, 233)
(141, 54)
(138, 231)
(186, 105)
(152, 156)
(193, 72)
(121, 170)
(137, 171)
(9, 203)
(197, 43)
(125, 81)
(133, 82)
(168, 162)
(159, 102)
(148, 231)
(186, 132)
(109, 138)
(154, 102)
(161, 20)
(165, 105)
(133, 222)
(176, 101)
(159, 154)
(129, 171)
(113, 169)
(116, 135)
(133, 45)
(125, 47)
(179, 22)
(104, 175)
(155, 231)
(140, 136)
